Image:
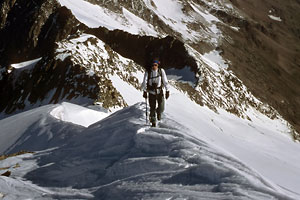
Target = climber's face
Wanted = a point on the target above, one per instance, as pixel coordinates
(154, 66)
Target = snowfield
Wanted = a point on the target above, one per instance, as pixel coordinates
(194, 153)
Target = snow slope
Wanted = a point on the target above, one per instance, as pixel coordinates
(194, 153)
(170, 12)
(94, 16)
(262, 144)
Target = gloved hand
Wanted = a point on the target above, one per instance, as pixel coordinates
(145, 95)
(167, 94)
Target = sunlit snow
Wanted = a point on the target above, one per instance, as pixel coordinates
(77, 115)
(26, 64)
(95, 16)
(275, 18)
(214, 60)
(170, 12)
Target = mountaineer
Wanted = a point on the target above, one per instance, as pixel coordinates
(154, 80)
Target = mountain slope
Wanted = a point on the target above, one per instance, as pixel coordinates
(141, 31)
(265, 53)
(227, 128)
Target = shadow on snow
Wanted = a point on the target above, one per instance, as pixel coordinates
(120, 157)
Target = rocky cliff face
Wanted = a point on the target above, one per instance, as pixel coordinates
(22, 29)
(259, 44)
(30, 30)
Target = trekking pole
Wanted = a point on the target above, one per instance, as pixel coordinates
(146, 111)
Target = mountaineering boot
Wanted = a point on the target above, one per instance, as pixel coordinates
(153, 124)
(158, 117)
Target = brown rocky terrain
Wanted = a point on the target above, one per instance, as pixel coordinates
(265, 54)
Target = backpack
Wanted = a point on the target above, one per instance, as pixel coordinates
(153, 87)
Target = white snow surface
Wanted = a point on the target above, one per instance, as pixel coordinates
(26, 65)
(77, 115)
(95, 16)
(275, 18)
(169, 11)
(193, 153)
(70, 47)
(214, 60)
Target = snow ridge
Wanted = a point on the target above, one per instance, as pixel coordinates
(119, 157)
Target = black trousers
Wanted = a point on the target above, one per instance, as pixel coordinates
(157, 105)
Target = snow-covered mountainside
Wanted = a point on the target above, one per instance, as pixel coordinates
(79, 42)
(70, 76)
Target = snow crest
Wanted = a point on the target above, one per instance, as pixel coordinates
(120, 156)
(77, 114)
